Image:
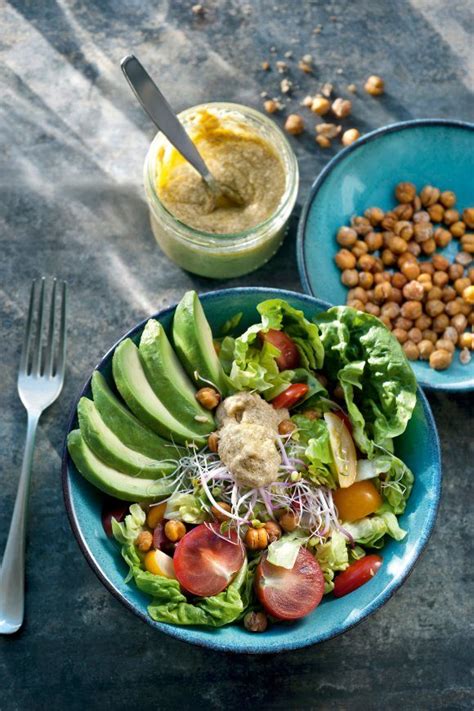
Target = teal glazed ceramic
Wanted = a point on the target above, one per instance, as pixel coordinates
(430, 151)
(333, 616)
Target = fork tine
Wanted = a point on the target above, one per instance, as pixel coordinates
(25, 350)
(49, 352)
(62, 333)
(36, 362)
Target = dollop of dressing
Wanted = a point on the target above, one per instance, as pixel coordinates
(248, 427)
(237, 157)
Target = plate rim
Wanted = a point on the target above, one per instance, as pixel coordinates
(318, 182)
(182, 632)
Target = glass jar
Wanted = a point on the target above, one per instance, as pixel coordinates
(223, 256)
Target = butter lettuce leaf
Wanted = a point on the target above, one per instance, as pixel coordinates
(313, 435)
(186, 507)
(284, 551)
(333, 555)
(378, 382)
(370, 531)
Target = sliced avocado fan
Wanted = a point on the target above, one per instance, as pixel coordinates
(127, 427)
(111, 481)
(192, 338)
(169, 381)
(133, 385)
(111, 450)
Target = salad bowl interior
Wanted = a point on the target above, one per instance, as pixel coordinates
(332, 616)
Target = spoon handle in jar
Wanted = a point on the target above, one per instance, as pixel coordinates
(161, 113)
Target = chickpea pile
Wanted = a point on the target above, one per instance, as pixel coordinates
(389, 262)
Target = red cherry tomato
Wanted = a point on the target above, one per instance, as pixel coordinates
(345, 418)
(289, 357)
(290, 594)
(113, 508)
(205, 563)
(289, 397)
(356, 574)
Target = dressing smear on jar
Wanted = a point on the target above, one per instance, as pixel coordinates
(237, 157)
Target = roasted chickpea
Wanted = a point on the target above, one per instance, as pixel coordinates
(255, 621)
(463, 258)
(411, 270)
(396, 295)
(366, 262)
(422, 231)
(449, 294)
(434, 307)
(359, 248)
(382, 292)
(400, 334)
(434, 294)
(213, 442)
(350, 277)
(447, 198)
(373, 240)
(465, 307)
(386, 322)
(397, 244)
(403, 229)
(413, 291)
(430, 335)
(175, 530)
(416, 203)
(399, 280)
(445, 344)
(423, 322)
(221, 515)
(455, 271)
(459, 322)
(470, 274)
(345, 259)
(450, 217)
(466, 340)
(406, 257)
(425, 280)
(442, 237)
(312, 414)
(440, 359)
(440, 263)
(415, 335)
(405, 192)
(361, 225)
(413, 248)
(346, 236)
(388, 258)
(411, 350)
(144, 541)
(411, 309)
(429, 246)
(458, 228)
(256, 539)
(389, 221)
(208, 398)
(373, 309)
(390, 310)
(378, 265)
(273, 531)
(468, 217)
(451, 334)
(286, 427)
(404, 323)
(429, 195)
(461, 284)
(375, 86)
(294, 124)
(358, 293)
(375, 215)
(440, 279)
(288, 521)
(427, 268)
(468, 294)
(421, 216)
(467, 243)
(436, 212)
(440, 323)
(366, 280)
(425, 348)
(452, 308)
(403, 212)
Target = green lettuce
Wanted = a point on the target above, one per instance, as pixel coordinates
(378, 383)
(186, 507)
(254, 366)
(397, 481)
(314, 436)
(284, 551)
(332, 555)
(127, 531)
(370, 531)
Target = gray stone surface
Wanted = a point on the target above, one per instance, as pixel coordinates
(71, 205)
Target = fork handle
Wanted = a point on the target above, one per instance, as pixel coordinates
(12, 572)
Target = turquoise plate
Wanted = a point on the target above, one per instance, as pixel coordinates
(428, 151)
(333, 616)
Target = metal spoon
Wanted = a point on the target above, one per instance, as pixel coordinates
(161, 113)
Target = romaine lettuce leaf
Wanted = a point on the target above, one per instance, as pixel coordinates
(331, 556)
(378, 382)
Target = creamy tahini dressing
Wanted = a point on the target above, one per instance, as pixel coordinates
(248, 427)
(237, 157)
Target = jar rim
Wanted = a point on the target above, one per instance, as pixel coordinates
(290, 164)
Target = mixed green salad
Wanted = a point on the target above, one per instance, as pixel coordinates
(250, 472)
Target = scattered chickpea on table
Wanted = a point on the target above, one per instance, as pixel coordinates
(390, 263)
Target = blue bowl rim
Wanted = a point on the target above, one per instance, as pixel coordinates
(335, 160)
(181, 632)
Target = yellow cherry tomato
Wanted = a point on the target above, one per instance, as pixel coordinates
(159, 563)
(343, 449)
(357, 501)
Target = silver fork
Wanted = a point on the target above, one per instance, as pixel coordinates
(40, 380)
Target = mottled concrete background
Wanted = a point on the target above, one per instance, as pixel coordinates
(71, 205)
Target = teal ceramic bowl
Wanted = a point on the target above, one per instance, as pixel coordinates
(430, 151)
(333, 616)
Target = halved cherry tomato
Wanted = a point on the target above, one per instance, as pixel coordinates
(205, 562)
(113, 508)
(357, 501)
(289, 356)
(289, 397)
(343, 449)
(356, 574)
(290, 594)
(345, 418)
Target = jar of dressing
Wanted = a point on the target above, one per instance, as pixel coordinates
(247, 152)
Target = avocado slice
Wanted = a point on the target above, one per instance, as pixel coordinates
(192, 338)
(111, 481)
(109, 448)
(137, 392)
(129, 430)
(169, 381)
